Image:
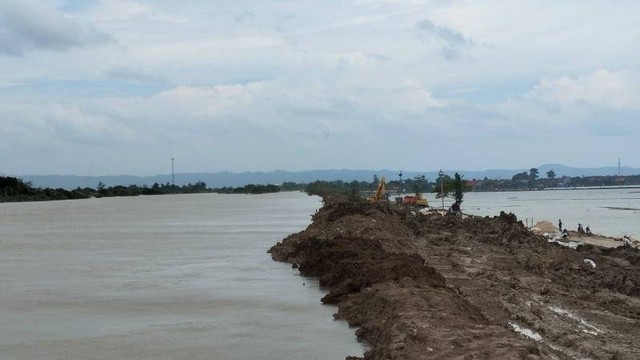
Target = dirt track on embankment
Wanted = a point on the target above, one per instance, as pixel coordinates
(433, 287)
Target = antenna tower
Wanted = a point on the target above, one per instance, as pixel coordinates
(173, 173)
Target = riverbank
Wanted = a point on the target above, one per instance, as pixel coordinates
(574, 239)
(438, 287)
(609, 212)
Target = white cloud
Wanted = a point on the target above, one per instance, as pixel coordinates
(298, 84)
(444, 34)
(130, 74)
(119, 11)
(27, 25)
(452, 43)
(612, 89)
(76, 124)
(61, 123)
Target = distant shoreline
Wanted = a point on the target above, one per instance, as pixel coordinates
(596, 187)
(613, 187)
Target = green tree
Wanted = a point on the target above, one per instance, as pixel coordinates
(455, 185)
(420, 184)
(533, 174)
(520, 176)
(443, 186)
(458, 188)
(551, 174)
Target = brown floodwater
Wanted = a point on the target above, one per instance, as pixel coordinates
(161, 277)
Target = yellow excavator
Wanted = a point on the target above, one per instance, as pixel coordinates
(380, 191)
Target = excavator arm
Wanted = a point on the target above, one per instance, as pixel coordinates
(380, 190)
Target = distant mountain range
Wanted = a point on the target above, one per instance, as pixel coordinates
(226, 178)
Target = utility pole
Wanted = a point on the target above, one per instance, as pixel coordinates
(173, 173)
(441, 173)
(400, 187)
(618, 166)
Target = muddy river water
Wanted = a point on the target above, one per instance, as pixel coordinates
(188, 277)
(161, 277)
(612, 212)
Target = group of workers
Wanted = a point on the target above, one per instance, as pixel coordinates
(581, 231)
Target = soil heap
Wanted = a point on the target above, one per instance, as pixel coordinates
(447, 287)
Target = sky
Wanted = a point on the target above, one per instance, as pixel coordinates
(107, 87)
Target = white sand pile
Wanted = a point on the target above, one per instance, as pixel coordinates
(545, 227)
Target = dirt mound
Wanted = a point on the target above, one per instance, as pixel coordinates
(434, 287)
(346, 266)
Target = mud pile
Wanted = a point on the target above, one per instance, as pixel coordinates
(433, 287)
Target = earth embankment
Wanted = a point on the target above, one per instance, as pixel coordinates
(434, 287)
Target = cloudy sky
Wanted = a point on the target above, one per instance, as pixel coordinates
(105, 87)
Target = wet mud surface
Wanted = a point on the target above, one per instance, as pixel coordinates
(434, 287)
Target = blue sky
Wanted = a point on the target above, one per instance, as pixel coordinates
(109, 87)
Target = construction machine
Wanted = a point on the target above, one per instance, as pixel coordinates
(415, 200)
(380, 192)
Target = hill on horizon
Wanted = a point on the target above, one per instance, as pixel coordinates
(226, 178)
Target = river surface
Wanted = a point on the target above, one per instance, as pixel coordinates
(612, 212)
(161, 277)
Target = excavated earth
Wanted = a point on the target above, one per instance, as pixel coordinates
(447, 287)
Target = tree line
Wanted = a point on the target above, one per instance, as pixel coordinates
(249, 189)
(13, 189)
(532, 180)
(444, 185)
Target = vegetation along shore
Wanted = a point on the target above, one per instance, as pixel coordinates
(16, 189)
(13, 189)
